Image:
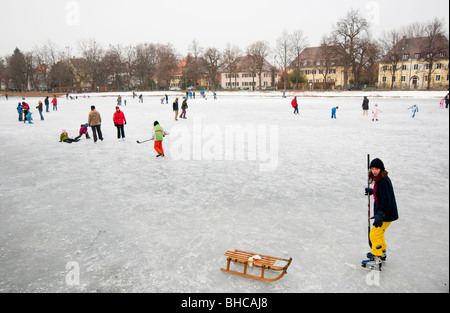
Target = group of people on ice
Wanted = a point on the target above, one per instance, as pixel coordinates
(24, 109)
(375, 110)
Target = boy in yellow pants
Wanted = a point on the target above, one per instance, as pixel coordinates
(385, 212)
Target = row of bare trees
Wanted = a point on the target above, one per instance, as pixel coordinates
(148, 65)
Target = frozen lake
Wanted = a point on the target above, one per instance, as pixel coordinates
(241, 172)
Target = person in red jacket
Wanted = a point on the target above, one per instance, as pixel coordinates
(295, 105)
(55, 104)
(119, 121)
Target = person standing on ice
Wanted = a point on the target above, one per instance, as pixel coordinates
(46, 102)
(158, 136)
(184, 106)
(294, 104)
(365, 106)
(385, 212)
(375, 111)
(119, 121)
(26, 111)
(55, 103)
(95, 121)
(414, 109)
(175, 108)
(40, 109)
(20, 111)
(333, 112)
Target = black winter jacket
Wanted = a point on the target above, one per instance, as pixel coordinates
(385, 200)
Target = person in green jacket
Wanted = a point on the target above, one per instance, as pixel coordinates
(158, 135)
(65, 137)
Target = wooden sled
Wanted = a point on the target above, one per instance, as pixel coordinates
(265, 263)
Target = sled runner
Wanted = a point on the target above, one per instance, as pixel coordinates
(264, 262)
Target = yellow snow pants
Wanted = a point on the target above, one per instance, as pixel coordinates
(377, 238)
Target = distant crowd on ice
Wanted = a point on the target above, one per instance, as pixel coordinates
(119, 120)
(365, 107)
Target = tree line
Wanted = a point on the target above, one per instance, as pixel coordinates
(148, 66)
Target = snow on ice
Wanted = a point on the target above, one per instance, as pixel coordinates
(241, 172)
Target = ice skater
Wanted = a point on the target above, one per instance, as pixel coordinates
(184, 106)
(119, 121)
(294, 104)
(40, 109)
(414, 109)
(385, 212)
(55, 103)
(375, 112)
(64, 137)
(175, 108)
(365, 106)
(333, 112)
(95, 121)
(158, 135)
(83, 131)
(20, 111)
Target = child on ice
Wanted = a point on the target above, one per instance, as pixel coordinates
(65, 137)
(158, 135)
(385, 212)
(414, 109)
(83, 131)
(333, 112)
(375, 111)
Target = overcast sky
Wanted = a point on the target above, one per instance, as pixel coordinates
(26, 24)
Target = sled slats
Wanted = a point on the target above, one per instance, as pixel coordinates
(265, 263)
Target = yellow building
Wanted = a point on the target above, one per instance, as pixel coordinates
(412, 70)
(320, 69)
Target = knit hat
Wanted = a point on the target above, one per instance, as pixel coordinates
(377, 163)
(92, 107)
(64, 131)
(117, 108)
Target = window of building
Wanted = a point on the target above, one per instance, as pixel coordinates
(404, 67)
(416, 66)
(438, 78)
(403, 78)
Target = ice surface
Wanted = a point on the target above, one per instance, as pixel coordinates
(126, 221)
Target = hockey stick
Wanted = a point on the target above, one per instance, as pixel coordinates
(368, 198)
(139, 142)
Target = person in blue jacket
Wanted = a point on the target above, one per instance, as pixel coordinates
(20, 111)
(333, 112)
(385, 212)
(414, 109)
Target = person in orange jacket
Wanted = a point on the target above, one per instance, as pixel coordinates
(119, 121)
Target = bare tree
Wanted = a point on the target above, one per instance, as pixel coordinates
(258, 52)
(348, 34)
(230, 57)
(213, 61)
(94, 66)
(390, 44)
(299, 43)
(195, 64)
(146, 63)
(167, 63)
(435, 46)
(327, 57)
(285, 52)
